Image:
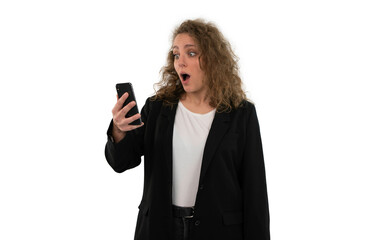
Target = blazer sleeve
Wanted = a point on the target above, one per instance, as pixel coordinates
(127, 153)
(253, 183)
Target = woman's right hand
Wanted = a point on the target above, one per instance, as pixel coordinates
(121, 123)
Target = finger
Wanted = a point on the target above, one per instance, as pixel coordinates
(119, 103)
(132, 118)
(126, 109)
(120, 119)
(132, 127)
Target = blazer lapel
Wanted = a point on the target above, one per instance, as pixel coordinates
(217, 131)
(169, 114)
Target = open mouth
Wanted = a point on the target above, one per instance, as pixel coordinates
(185, 76)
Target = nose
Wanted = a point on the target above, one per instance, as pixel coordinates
(182, 62)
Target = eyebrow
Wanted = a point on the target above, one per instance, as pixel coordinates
(185, 46)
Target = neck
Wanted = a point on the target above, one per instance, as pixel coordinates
(198, 99)
(196, 103)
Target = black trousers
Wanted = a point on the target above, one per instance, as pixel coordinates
(181, 228)
(182, 225)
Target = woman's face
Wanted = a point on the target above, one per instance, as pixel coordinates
(186, 62)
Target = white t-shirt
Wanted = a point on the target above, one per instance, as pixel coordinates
(189, 138)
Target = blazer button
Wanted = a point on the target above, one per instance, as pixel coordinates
(201, 187)
(197, 223)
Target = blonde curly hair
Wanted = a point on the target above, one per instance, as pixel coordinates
(217, 60)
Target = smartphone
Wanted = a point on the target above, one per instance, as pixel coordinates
(121, 88)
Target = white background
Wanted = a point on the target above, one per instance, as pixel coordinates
(318, 72)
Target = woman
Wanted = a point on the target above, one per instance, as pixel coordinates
(204, 171)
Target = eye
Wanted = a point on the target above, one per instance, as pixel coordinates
(192, 54)
(175, 56)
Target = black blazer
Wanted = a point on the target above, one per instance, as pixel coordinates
(231, 203)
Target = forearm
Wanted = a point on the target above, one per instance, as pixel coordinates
(123, 154)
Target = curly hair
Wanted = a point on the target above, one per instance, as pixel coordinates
(217, 60)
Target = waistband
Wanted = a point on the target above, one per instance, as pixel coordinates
(183, 212)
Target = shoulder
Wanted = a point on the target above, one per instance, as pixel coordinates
(246, 107)
(156, 105)
(245, 112)
(152, 102)
(153, 99)
(246, 104)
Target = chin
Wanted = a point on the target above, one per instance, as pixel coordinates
(187, 89)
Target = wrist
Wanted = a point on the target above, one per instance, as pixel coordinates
(117, 134)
